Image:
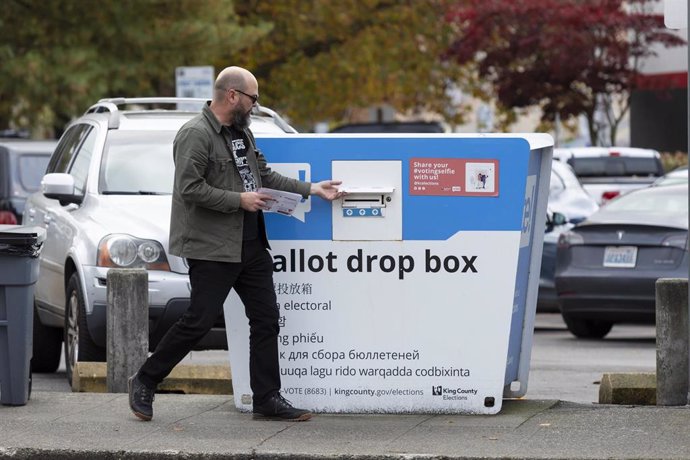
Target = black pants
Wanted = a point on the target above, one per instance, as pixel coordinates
(211, 283)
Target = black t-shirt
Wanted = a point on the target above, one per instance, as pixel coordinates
(237, 144)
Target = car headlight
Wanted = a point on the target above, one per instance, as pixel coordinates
(125, 251)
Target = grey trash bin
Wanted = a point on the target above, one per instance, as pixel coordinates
(19, 250)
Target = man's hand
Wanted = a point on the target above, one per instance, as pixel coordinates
(253, 201)
(326, 189)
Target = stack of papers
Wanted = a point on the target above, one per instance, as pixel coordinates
(281, 202)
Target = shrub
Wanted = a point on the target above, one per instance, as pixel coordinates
(671, 160)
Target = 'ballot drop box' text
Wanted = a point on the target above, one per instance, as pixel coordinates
(413, 293)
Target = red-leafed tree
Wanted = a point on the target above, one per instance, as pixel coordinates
(569, 57)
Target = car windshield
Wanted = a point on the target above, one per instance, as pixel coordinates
(615, 166)
(138, 162)
(655, 200)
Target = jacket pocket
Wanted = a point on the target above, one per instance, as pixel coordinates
(219, 173)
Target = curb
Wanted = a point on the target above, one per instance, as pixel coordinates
(62, 454)
(207, 379)
(633, 388)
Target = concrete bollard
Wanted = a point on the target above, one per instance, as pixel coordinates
(127, 342)
(672, 342)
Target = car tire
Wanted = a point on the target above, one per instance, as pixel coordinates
(79, 346)
(47, 347)
(587, 328)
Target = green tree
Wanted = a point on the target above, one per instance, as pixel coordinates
(325, 57)
(59, 57)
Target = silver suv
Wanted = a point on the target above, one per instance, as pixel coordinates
(105, 203)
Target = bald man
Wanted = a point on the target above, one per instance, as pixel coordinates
(218, 226)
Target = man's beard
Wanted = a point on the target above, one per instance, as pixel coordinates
(241, 119)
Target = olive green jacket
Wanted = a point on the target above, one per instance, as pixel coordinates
(206, 219)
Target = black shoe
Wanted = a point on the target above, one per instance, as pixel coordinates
(278, 408)
(140, 398)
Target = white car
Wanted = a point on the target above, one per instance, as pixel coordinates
(677, 176)
(105, 203)
(569, 199)
(606, 172)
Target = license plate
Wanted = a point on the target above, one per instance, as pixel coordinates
(620, 256)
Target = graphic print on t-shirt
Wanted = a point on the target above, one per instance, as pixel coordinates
(239, 153)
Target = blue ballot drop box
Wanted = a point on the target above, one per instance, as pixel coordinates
(415, 293)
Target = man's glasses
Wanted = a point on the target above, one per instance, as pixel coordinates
(253, 97)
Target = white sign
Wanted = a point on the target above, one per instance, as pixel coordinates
(388, 326)
(194, 82)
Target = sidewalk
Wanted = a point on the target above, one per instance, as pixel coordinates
(91, 425)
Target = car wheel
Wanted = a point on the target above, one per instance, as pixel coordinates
(79, 346)
(46, 348)
(587, 328)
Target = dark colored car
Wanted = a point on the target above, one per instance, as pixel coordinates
(392, 127)
(22, 165)
(607, 266)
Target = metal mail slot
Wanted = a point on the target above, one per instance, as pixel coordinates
(365, 205)
(371, 209)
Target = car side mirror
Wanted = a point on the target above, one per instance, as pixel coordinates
(558, 219)
(554, 219)
(60, 186)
